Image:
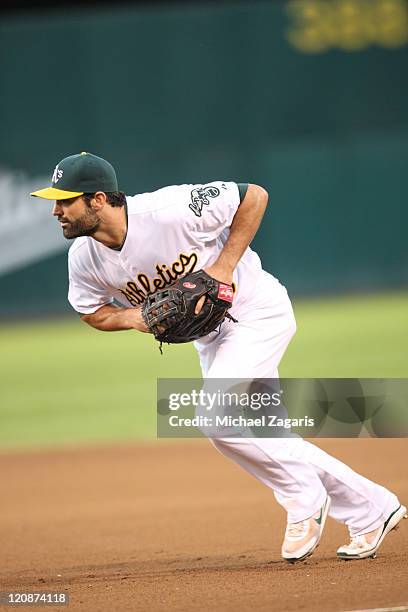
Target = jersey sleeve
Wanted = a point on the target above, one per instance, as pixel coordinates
(207, 209)
(86, 294)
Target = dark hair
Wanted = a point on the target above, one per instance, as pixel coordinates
(115, 198)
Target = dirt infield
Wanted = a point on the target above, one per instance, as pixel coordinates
(176, 526)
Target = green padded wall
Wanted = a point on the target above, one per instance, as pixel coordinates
(308, 99)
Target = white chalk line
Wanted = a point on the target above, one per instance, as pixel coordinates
(398, 609)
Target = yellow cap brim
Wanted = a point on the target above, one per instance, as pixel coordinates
(51, 193)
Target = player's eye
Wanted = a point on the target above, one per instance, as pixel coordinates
(67, 202)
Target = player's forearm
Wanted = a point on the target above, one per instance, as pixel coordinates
(111, 318)
(244, 226)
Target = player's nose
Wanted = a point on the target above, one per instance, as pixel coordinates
(57, 210)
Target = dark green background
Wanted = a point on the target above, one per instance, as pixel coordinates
(195, 93)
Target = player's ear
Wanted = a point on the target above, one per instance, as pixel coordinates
(99, 200)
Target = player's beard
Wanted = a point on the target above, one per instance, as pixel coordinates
(85, 226)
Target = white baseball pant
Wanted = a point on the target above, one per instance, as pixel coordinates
(299, 473)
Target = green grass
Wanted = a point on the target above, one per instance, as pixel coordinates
(350, 337)
(63, 382)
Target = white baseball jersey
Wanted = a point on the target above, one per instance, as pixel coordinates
(171, 232)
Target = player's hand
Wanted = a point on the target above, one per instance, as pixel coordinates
(220, 273)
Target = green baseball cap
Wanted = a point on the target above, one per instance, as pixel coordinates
(78, 174)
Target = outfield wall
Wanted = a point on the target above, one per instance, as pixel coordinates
(306, 98)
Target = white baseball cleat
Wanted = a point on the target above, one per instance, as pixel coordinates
(301, 539)
(366, 545)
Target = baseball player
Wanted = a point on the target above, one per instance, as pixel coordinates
(127, 248)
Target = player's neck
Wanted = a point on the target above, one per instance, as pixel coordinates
(112, 230)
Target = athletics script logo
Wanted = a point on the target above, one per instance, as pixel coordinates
(136, 291)
(200, 196)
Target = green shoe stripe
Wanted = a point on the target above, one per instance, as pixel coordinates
(319, 520)
(389, 518)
